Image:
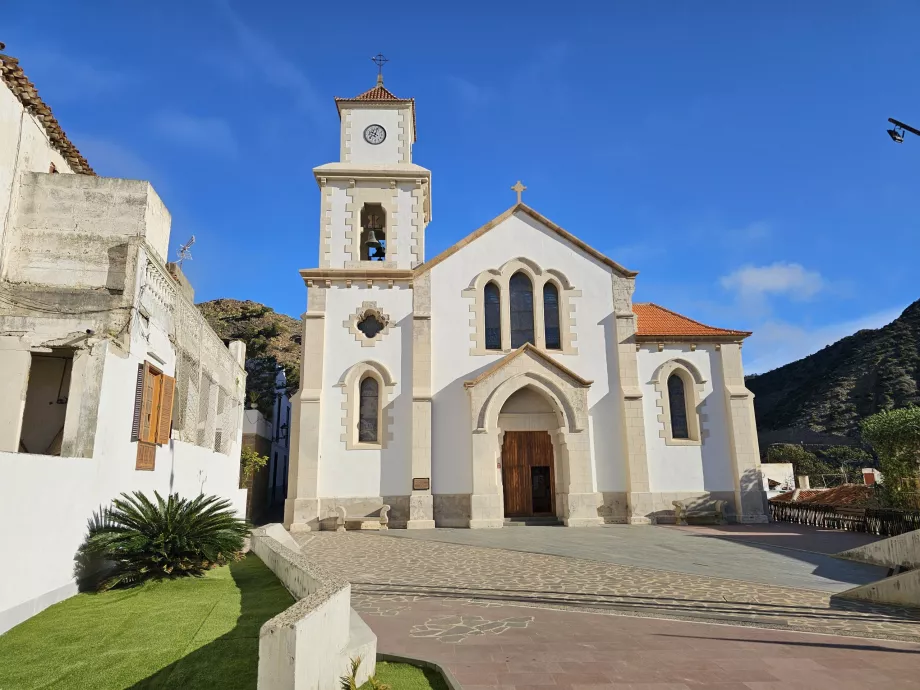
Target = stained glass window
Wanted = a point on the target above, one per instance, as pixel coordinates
(678, 403)
(521, 310)
(551, 317)
(367, 410)
(493, 308)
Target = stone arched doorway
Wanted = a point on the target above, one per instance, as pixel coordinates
(564, 417)
(527, 423)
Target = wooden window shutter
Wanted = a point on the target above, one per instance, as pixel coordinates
(148, 406)
(146, 456)
(164, 423)
(138, 401)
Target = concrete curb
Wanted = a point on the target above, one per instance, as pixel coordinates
(448, 677)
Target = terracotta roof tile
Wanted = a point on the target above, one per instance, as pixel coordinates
(655, 321)
(18, 83)
(380, 93)
(857, 495)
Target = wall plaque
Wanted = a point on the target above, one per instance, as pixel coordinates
(421, 484)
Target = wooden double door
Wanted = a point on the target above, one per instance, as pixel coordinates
(528, 475)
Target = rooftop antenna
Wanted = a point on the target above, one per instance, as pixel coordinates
(185, 251)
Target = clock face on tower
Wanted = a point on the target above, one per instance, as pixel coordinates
(375, 134)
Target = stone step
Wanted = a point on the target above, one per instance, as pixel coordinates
(550, 521)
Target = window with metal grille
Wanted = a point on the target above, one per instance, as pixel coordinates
(677, 401)
(551, 317)
(368, 411)
(493, 316)
(521, 310)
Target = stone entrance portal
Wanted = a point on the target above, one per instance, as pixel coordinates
(528, 474)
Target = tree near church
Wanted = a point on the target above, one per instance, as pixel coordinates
(803, 462)
(895, 437)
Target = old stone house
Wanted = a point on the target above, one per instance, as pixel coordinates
(110, 379)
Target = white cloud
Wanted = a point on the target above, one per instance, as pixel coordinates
(110, 159)
(276, 69)
(776, 343)
(780, 278)
(211, 134)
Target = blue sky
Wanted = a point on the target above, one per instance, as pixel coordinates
(733, 153)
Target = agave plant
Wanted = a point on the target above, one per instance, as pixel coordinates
(171, 538)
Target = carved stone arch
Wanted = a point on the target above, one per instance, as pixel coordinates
(561, 277)
(521, 263)
(694, 385)
(487, 416)
(666, 368)
(349, 383)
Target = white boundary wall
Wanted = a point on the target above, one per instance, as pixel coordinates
(308, 646)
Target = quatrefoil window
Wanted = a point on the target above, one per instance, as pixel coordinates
(370, 326)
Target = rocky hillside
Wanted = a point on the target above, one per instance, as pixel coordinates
(271, 339)
(833, 389)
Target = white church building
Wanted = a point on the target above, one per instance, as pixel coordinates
(510, 376)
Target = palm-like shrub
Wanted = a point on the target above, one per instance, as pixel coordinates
(171, 538)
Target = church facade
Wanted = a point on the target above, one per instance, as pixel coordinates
(510, 376)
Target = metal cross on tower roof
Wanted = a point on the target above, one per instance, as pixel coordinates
(380, 61)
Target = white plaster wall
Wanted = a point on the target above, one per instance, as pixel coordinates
(335, 216)
(363, 153)
(24, 147)
(383, 472)
(404, 216)
(157, 223)
(452, 363)
(705, 467)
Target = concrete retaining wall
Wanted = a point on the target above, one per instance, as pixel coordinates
(309, 645)
(902, 550)
(903, 589)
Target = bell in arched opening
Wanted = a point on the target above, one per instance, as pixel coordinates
(373, 233)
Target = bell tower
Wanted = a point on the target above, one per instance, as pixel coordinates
(376, 202)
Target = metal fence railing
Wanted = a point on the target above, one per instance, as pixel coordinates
(885, 522)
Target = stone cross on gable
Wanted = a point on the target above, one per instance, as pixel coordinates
(519, 188)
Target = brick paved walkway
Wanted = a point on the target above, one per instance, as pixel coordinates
(497, 647)
(390, 576)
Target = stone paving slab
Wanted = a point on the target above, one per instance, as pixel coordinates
(775, 554)
(509, 648)
(393, 575)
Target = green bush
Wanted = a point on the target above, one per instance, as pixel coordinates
(171, 538)
(895, 437)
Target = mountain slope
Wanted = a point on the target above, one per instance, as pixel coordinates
(271, 339)
(832, 390)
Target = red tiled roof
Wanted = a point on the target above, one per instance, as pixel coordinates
(18, 83)
(380, 94)
(846, 495)
(655, 321)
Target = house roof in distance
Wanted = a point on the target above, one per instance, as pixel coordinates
(654, 321)
(18, 83)
(379, 94)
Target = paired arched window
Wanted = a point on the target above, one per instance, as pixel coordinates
(677, 402)
(522, 330)
(493, 316)
(368, 407)
(551, 332)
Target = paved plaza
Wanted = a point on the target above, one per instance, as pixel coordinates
(523, 616)
(773, 554)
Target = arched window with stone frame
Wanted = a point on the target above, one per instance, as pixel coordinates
(368, 410)
(521, 302)
(680, 386)
(492, 301)
(552, 335)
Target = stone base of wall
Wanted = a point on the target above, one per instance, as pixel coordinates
(658, 507)
(451, 510)
(613, 509)
(399, 511)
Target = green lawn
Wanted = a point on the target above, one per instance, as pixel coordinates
(406, 677)
(188, 633)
